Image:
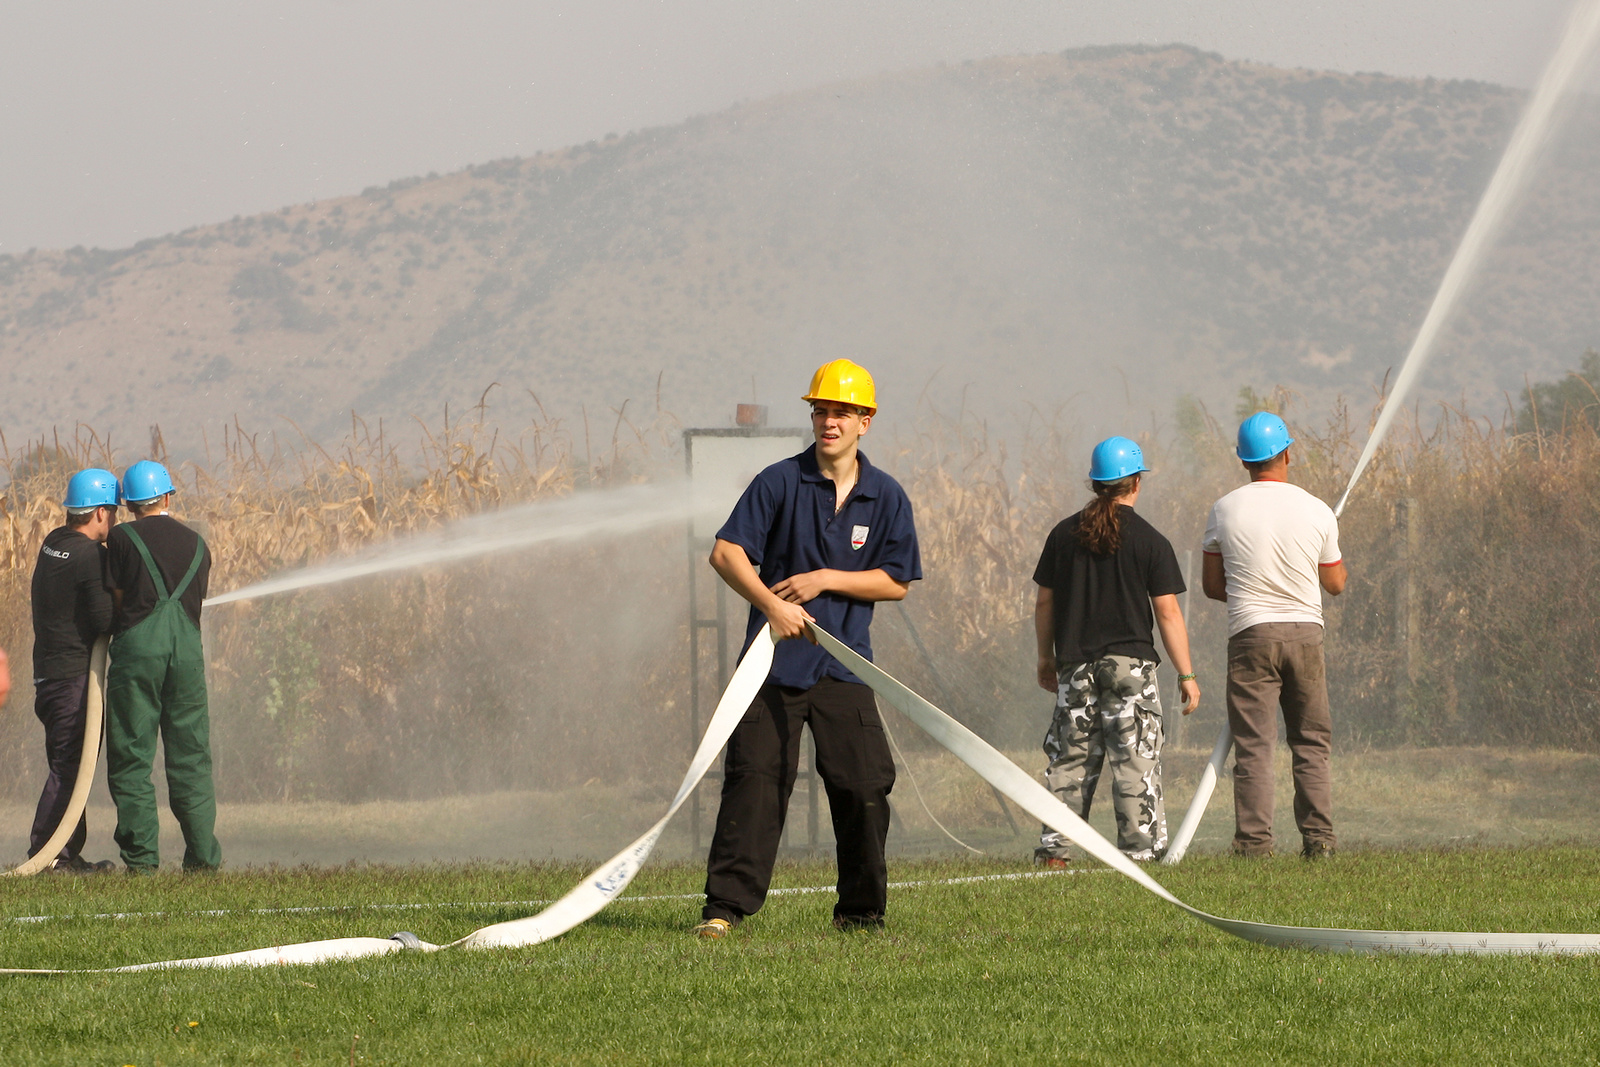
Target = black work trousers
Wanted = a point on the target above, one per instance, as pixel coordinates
(758, 774)
(62, 706)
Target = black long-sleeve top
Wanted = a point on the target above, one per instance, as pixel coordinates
(70, 604)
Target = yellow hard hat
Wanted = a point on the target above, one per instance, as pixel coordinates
(845, 382)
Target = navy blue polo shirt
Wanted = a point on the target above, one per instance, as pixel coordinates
(786, 524)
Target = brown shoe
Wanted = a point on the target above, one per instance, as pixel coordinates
(713, 929)
(1056, 863)
(1316, 850)
(1251, 854)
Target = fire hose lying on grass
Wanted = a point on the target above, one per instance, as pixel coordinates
(610, 878)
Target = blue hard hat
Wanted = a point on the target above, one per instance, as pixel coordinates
(92, 488)
(144, 481)
(1262, 436)
(1115, 458)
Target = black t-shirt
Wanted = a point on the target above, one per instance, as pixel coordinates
(70, 604)
(1102, 603)
(171, 545)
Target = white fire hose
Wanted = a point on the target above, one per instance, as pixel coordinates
(94, 720)
(1202, 796)
(595, 892)
(610, 878)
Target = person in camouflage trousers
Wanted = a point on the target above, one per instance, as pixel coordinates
(1109, 708)
(1106, 579)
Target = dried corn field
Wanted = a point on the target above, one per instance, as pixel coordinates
(1469, 618)
(1474, 553)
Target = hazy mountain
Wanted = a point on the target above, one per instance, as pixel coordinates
(1122, 223)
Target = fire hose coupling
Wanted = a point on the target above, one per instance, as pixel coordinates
(408, 939)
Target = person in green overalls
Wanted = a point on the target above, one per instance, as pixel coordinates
(157, 569)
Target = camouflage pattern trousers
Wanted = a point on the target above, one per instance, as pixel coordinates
(1110, 707)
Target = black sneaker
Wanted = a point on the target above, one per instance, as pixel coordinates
(79, 865)
(1316, 850)
(851, 923)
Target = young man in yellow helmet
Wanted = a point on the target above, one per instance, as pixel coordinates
(819, 537)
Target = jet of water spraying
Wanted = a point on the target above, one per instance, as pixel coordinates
(607, 512)
(1510, 179)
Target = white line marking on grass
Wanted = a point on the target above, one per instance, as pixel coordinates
(309, 909)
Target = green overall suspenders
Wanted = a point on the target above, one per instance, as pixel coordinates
(165, 601)
(157, 685)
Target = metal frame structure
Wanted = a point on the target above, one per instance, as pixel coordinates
(717, 622)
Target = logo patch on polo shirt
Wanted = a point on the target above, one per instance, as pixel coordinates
(858, 537)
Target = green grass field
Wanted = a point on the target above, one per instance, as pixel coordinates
(1064, 968)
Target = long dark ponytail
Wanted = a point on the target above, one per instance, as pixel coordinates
(1100, 524)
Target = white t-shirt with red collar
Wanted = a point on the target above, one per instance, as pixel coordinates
(1272, 536)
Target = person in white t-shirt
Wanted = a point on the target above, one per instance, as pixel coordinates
(1271, 550)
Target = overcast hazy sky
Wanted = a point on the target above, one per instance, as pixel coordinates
(123, 120)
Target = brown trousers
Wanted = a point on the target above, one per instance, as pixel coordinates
(1268, 664)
